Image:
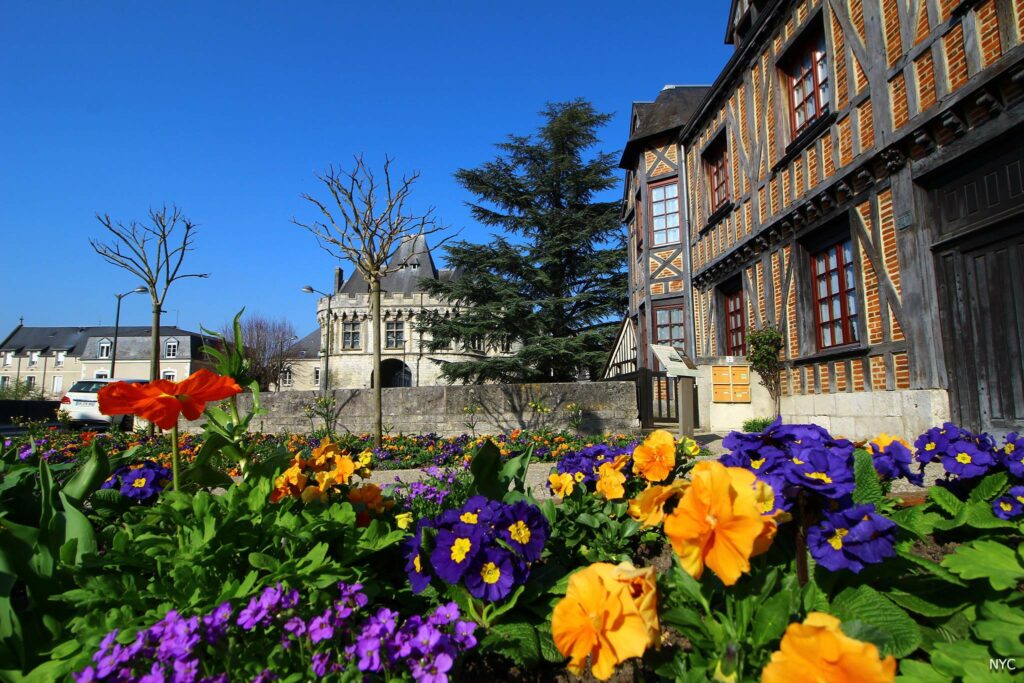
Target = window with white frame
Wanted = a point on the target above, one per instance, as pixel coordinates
(286, 377)
(316, 377)
(169, 375)
(58, 384)
(171, 348)
(102, 374)
(103, 348)
(60, 358)
(33, 359)
(8, 357)
(665, 213)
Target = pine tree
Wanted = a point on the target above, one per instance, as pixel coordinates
(552, 286)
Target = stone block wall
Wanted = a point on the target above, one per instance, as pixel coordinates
(607, 407)
(864, 415)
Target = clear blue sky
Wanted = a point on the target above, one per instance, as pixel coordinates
(228, 109)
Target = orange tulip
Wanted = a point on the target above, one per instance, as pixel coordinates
(600, 618)
(649, 507)
(655, 458)
(817, 650)
(718, 522)
(162, 401)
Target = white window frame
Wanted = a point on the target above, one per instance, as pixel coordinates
(57, 384)
(8, 358)
(286, 378)
(316, 377)
(33, 358)
(168, 345)
(59, 358)
(101, 374)
(99, 348)
(169, 375)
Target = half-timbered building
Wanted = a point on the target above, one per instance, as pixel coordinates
(854, 178)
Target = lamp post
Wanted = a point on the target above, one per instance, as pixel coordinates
(326, 379)
(117, 325)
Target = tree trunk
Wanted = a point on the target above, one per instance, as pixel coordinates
(154, 354)
(378, 420)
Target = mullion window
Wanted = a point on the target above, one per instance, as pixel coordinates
(668, 326)
(735, 328)
(808, 84)
(717, 161)
(835, 295)
(665, 213)
(394, 335)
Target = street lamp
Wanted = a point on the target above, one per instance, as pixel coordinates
(326, 379)
(117, 325)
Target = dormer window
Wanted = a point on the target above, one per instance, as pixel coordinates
(103, 349)
(60, 356)
(171, 348)
(33, 358)
(806, 73)
(8, 358)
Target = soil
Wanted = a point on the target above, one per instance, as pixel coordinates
(933, 551)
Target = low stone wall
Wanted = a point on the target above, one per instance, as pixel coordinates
(607, 407)
(866, 414)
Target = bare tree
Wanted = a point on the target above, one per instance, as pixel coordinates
(366, 223)
(153, 253)
(266, 341)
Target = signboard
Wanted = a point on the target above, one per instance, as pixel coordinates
(674, 360)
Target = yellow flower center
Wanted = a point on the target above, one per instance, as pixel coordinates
(1009, 448)
(965, 458)
(520, 533)
(929, 446)
(490, 573)
(139, 483)
(1020, 498)
(417, 565)
(711, 520)
(797, 461)
(579, 476)
(837, 538)
(756, 464)
(1005, 506)
(460, 547)
(819, 475)
(468, 517)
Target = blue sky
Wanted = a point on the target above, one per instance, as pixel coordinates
(228, 109)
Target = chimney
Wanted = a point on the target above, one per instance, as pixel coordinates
(339, 279)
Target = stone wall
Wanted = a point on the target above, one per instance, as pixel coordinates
(607, 407)
(864, 415)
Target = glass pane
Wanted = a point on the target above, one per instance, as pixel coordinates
(677, 331)
(823, 311)
(832, 262)
(848, 251)
(658, 194)
(834, 279)
(854, 334)
(851, 303)
(659, 237)
(819, 261)
(672, 190)
(849, 276)
(837, 308)
(672, 206)
(659, 222)
(838, 330)
(822, 288)
(673, 235)
(799, 118)
(673, 219)
(826, 336)
(662, 317)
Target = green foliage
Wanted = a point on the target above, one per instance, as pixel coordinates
(757, 424)
(764, 346)
(20, 390)
(552, 286)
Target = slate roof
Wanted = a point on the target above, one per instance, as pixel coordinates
(74, 339)
(307, 347)
(671, 110)
(419, 265)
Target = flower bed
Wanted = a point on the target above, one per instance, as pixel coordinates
(786, 559)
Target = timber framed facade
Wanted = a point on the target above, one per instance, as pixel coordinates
(872, 209)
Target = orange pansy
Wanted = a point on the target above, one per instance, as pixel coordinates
(818, 650)
(599, 618)
(610, 479)
(162, 401)
(655, 458)
(562, 485)
(649, 507)
(718, 522)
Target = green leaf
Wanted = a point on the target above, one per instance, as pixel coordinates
(516, 640)
(949, 658)
(940, 602)
(868, 605)
(988, 488)
(771, 619)
(863, 631)
(485, 468)
(77, 528)
(934, 568)
(1003, 626)
(868, 488)
(945, 500)
(262, 561)
(89, 476)
(916, 520)
(980, 516)
(912, 671)
(985, 559)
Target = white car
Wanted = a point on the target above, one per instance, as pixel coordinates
(82, 405)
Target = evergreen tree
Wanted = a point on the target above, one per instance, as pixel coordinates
(553, 285)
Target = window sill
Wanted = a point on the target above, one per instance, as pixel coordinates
(835, 353)
(805, 138)
(717, 215)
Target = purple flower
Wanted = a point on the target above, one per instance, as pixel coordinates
(464, 631)
(416, 561)
(186, 670)
(966, 460)
(1011, 505)
(894, 461)
(432, 670)
(852, 538)
(217, 622)
(320, 628)
(1011, 454)
(492, 575)
(155, 674)
(524, 528)
(320, 663)
(455, 550)
(265, 676)
(445, 614)
(822, 470)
